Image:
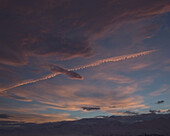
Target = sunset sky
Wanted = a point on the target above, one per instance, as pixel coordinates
(72, 59)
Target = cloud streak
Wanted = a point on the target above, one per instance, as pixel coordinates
(74, 75)
(160, 91)
(130, 112)
(67, 97)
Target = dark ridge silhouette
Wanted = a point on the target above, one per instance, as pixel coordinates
(137, 125)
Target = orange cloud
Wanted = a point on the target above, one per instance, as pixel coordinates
(74, 97)
(120, 79)
(140, 66)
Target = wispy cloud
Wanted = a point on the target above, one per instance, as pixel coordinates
(131, 112)
(73, 97)
(115, 78)
(139, 66)
(160, 91)
(70, 72)
(55, 36)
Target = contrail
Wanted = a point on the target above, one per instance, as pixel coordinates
(113, 59)
(29, 82)
(96, 63)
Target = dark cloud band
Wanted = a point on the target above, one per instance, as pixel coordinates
(91, 108)
(64, 29)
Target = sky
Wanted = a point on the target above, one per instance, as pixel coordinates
(72, 59)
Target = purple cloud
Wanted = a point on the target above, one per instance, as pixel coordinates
(64, 29)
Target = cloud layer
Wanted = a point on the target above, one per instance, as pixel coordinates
(64, 29)
(41, 39)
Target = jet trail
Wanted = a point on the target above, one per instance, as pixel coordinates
(29, 82)
(96, 63)
(113, 59)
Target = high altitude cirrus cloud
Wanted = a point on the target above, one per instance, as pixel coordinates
(64, 29)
